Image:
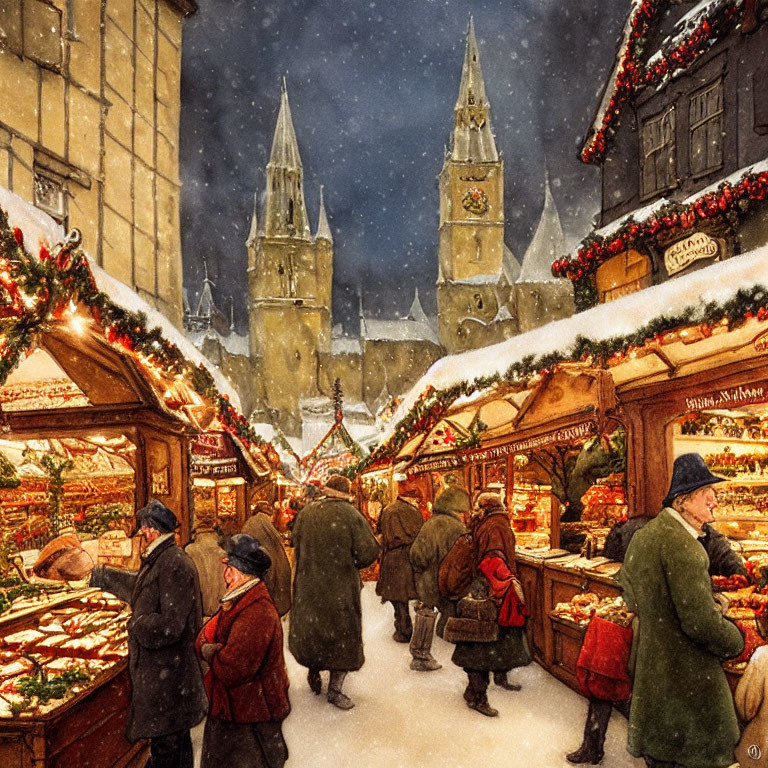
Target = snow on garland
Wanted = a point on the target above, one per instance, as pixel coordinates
(35, 291)
(729, 200)
(633, 74)
(705, 320)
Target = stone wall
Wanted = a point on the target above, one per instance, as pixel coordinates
(89, 126)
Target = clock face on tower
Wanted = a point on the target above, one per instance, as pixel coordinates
(475, 201)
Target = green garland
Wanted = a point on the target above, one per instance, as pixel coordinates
(35, 291)
(8, 476)
(433, 404)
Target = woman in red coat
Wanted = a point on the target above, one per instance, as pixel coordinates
(247, 682)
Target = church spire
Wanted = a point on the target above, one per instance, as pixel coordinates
(286, 211)
(323, 228)
(254, 231)
(472, 137)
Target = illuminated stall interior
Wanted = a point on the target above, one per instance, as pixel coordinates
(734, 444)
(537, 447)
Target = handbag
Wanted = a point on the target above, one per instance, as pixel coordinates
(475, 622)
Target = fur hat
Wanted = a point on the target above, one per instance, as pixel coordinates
(156, 515)
(452, 499)
(489, 501)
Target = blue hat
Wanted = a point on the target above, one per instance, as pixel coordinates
(245, 553)
(689, 472)
(156, 515)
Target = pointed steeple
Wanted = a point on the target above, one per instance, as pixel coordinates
(547, 244)
(472, 137)
(286, 211)
(206, 305)
(363, 328)
(253, 233)
(416, 312)
(323, 228)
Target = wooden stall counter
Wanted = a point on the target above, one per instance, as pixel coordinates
(86, 730)
(562, 579)
(78, 632)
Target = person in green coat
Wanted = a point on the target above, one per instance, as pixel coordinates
(429, 548)
(332, 542)
(682, 711)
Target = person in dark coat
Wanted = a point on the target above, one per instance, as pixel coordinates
(332, 543)
(432, 543)
(682, 709)
(494, 544)
(278, 577)
(247, 682)
(167, 696)
(399, 523)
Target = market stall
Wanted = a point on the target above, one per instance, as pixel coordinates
(630, 393)
(97, 412)
(226, 478)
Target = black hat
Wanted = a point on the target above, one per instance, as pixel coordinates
(245, 553)
(155, 515)
(689, 472)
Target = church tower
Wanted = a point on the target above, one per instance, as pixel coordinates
(471, 229)
(290, 273)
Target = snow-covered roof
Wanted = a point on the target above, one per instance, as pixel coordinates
(684, 26)
(39, 227)
(717, 282)
(234, 343)
(475, 280)
(503, 314)
(644, 213)
(399, 330)
(546, 245)
(345, 345)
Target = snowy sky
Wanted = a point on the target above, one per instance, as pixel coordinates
(372, 85)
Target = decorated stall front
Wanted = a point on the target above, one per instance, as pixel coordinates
(97, 411)
(227, 477)
(593, 432)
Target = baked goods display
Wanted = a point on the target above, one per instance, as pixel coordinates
(585, 605)
(61, 653)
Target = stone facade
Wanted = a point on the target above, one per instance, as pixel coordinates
(89, 127)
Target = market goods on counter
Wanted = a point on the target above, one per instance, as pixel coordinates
(72, 645)
(585, 605)
(616, 612)
(729, 583)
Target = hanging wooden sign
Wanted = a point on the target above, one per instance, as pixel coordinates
(683, 253)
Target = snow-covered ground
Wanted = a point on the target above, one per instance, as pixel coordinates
(419, 719)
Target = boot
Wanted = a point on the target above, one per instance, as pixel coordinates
(591, 749)
(475, 693)
(403, 625)
(421, 641)
(500, 679)
(315, 681)
(335, 696)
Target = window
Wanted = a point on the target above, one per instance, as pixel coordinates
(50, 196)
(705, 117)
(658, 148)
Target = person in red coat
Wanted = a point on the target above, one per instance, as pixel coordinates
(247, 682)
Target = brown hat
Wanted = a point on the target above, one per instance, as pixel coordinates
(339, 483)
